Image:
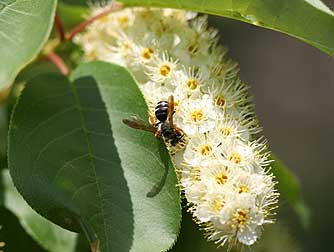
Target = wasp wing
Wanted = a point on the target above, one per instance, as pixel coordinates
(171, 111)
(137, 123)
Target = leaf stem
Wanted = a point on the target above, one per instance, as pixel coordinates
(84, 24)
(60, 28)
(59, 62)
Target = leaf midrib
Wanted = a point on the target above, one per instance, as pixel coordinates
(91, 154)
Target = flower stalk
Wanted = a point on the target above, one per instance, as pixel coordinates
(58, 62)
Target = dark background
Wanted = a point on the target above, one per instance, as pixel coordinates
(293, 88)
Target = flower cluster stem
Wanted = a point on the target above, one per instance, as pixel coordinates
(60, 28)
(59, 63)
(84, 24)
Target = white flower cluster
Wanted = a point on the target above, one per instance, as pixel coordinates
(223, 172)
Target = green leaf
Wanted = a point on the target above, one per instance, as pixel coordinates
(308, 20)
(24, 28)
(76, 2)
(76, 163)
(50, 236)
(82, 244)
(34, 69)
(289, 188)
(13, 236)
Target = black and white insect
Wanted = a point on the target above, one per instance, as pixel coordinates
(161, 124)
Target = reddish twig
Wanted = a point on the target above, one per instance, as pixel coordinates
(58, 61)
(60, 28)
(84, 24)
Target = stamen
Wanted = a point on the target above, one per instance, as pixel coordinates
(147, 53)
(221, 178)
(235, 157)
(192, 83)
(206, 149)
(165, 70)
(197, 115)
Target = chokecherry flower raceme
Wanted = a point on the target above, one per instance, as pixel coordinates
(224, 169)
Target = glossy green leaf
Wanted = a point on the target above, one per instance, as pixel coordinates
(50, 236)
(76, 163)
(24, 28)
(290, 190)
(82, 245)
(34, 69)
(307, 20)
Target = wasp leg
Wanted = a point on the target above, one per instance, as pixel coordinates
(151, 118)
(179, 130)
(157, 134)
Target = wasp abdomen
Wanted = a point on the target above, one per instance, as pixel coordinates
(161, 111)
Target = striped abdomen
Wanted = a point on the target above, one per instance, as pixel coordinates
(161, 111)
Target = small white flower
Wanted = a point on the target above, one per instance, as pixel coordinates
(196, 192)
(252, 183)
(230, 129)
(240, 219)
(196, 115)
(229, 93)
(220, 177)
(162, 70)
(242, 155)
(210, 207)
(189, 83)
(202, 150)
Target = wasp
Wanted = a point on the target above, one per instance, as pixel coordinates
(162, 124)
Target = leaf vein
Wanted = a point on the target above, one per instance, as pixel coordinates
(91, 154)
